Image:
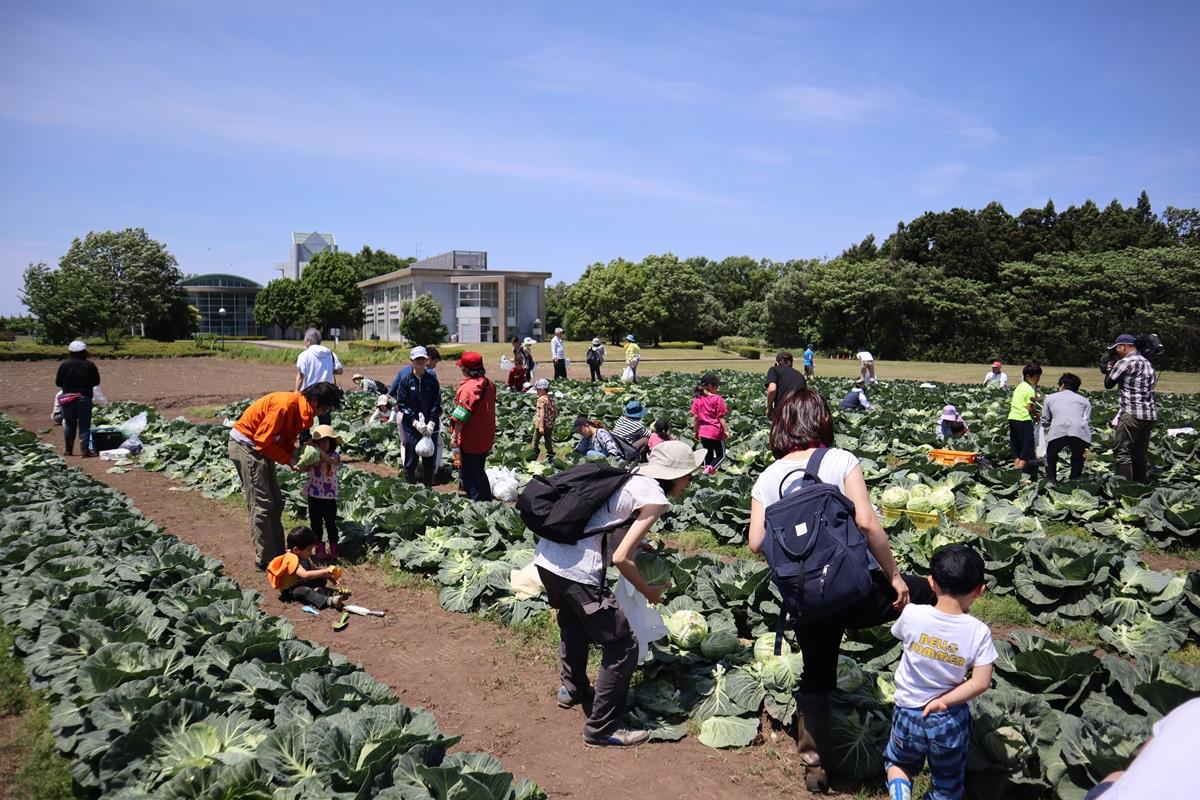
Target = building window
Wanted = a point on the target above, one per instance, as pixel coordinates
(393, 294)
(406, 292)
(474, 295)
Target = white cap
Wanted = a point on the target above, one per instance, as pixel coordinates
(596, 342)
(417, 352)
(529, 340)
(558, 330)
(77, 347)
(542, 384)
(383, 400)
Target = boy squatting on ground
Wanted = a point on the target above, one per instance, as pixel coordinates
(942, 643)
(297, 577)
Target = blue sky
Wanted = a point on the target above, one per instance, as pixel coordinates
(554, 135)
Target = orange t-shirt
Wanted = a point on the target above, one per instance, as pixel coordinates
(281, 572)
(273, 422)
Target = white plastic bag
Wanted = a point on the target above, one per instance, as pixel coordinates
(425, 448)
(645, 622)
(56, 412)
(627, 375)
(526, 582)
(100, 399)
(504, 482)
(506, 364)
(1039, 442)
(132, 428)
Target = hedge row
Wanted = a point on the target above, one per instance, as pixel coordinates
(133, 348)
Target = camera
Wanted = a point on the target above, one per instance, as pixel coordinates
(1150, 346)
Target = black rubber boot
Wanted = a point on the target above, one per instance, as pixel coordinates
(812, 712)
(69, 445)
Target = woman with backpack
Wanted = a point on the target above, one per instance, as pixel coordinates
(871, 589)
(595, 357)
(588, 614)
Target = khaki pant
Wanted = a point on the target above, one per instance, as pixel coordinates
(264, 501)
(1131, 442)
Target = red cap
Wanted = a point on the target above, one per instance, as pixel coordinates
(470, 360)
(995, 363)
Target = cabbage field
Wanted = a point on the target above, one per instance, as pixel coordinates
(1062, 713)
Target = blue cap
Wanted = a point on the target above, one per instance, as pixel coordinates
(629, 337)
(1125, 338)
(635, 409)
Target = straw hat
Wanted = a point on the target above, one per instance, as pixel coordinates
(671, 460)
(325, 432)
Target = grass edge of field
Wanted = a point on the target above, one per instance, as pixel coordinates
(44, 774)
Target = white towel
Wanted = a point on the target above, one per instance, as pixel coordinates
(645, 622)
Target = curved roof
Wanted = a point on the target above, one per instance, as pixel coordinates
(220, 280)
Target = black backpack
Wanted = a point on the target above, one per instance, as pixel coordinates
(593, 356)
(558, 507)
(818, 556)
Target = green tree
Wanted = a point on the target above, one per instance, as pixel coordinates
(557, 301)
(607, 301)
(370, 263)
(329, 291)
(132, 278)
(866, 250)
(673, 299)
(279, 303)
(1183, 225)
(421, 321)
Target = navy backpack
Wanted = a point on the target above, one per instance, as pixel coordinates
(818, 556)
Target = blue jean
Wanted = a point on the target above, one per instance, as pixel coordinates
(943, 738)
(77, 418)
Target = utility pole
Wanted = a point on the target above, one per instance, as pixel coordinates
(417, 251)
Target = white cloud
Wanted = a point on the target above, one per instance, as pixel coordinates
(941, 179)
(827, 106)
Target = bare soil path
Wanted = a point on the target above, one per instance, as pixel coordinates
(499, 699)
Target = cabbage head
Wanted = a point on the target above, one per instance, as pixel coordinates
(849, 674)
(764, 648)
(308, 457)
(919, 503)
(687, 629)
(894, 497)
(942, 498)
(722, 637)
(920, 490)
(655, 569)
(780, 675)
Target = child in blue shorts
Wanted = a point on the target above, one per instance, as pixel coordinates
(942, 643)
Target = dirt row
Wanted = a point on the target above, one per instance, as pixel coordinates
(468, 672)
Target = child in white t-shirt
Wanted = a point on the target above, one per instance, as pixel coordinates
(942, 643)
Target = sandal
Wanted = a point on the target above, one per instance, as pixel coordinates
(343, 622)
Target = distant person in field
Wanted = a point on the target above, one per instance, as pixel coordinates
(316, 364)
(558, 353)
(473, 426)
(782, 380)
(630, 428)
(595, 357)
(951, 424)
(810, 369)
(709, 417)
(368, 385)
(633, 355)
(1022, 414)
(77, 379)
(662, 433)
(1134, 377)
(1165, 766)
(866, 366)
(383, 413)
(263, 437)
(856, 399)
(418, 394)
(544, 419)
(1067, 418)
(596, 441)
(517, 377)
(996, 376)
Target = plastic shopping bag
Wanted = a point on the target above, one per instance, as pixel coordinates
(100, 399)
(132, 429)
(506, 364)
(1039, 442)
(627, 375)
(645, 622)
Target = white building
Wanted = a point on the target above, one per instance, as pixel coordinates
(304, 247)
(478, 304)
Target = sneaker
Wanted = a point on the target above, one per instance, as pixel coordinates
(88, 453)
(709, 469)
(567, 700)
(622, 737)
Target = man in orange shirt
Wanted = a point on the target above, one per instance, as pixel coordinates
(263, 437)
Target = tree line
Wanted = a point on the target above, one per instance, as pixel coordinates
(958, 285)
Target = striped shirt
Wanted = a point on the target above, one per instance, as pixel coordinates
(630, 429)
(1135, 386)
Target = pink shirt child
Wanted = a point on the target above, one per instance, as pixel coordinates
(708, 410)
(655, 439)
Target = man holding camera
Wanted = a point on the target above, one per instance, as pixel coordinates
(1134, 378)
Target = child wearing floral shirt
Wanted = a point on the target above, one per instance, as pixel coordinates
(321, 489)
(543, 421)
